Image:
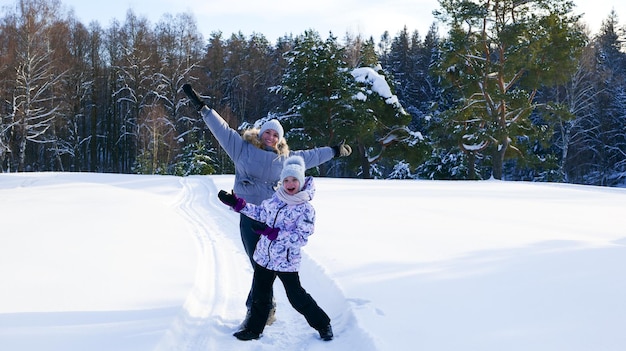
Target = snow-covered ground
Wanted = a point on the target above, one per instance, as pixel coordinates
(127, 262)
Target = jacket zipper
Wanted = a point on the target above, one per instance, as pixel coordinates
(272, 242)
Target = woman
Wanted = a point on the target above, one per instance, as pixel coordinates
(258, 155)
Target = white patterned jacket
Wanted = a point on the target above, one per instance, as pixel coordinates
(296, 223)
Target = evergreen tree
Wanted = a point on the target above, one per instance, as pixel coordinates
(497, 55)
(599, 140)
(317, 85)
(196, 159)
(332, 101)
(385, 141)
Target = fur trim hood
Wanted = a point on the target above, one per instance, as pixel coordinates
(252, 136)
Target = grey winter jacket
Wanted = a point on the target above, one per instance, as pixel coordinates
(295, 223)
(257, 171)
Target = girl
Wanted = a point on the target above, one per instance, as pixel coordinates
(289, 218)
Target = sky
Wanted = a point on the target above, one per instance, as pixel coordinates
(273, 18)
(105, 262)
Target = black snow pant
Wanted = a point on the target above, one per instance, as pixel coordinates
(299, 299)
(250, 238)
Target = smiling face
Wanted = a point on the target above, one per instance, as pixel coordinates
(291, 185)
(270, 138)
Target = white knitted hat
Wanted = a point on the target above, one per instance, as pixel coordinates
(294, 167)
(275, 125)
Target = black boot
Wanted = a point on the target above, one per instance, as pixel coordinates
(326, 333)
(193, 97)
(246, 334)
(244, 324)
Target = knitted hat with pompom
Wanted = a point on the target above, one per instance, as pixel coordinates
(273, 124)
(293, 167)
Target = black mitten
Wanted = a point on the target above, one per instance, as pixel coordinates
(230, 199)
(193, 97)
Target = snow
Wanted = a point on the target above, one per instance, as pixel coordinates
(378, 84)
(135, 262)
(473, 147)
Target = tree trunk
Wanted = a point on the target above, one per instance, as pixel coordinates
(498, 158)
(365, 164)
(471, 165)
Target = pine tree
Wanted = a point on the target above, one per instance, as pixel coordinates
(317, 85)
(332, 101)
(497, 55)
(598, 145)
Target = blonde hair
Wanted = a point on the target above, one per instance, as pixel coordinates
(252, 136)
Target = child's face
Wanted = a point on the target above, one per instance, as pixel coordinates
(269, 138)
(291, 185)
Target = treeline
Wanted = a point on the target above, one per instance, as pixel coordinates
(467, 105)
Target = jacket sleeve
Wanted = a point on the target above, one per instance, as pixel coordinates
(305, 226)
(316, 156)
(256, 212)
(228, 138)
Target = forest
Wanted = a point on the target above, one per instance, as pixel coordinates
(513, 90)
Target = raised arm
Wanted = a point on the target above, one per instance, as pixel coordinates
(228, 138)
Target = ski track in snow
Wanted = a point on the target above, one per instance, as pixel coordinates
(215, 306)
